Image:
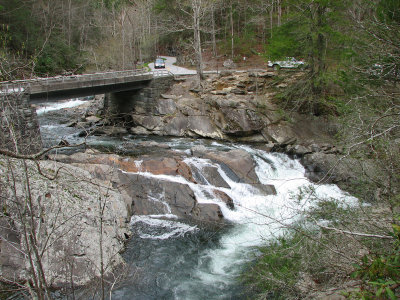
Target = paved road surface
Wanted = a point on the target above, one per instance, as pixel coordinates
(169, 65)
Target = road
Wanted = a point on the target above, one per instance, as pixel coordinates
(169, 65)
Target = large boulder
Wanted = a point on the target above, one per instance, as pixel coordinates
(157, 196)
(193, 106)
(208, 212)
(149, 122)
(165, 107)
(176, 126)
(238, 163)
(204, 127)
(209, 175)
(339, 169)
(164, 166)
(241, 122)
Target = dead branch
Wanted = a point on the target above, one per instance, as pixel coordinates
(356, 233)
(35, 156)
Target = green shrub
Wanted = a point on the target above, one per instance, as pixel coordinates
(56, 58)
(380, 273)
(276, 271)
(281, 264)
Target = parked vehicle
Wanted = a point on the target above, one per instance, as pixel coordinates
(159, 64)
(289, 63)
(389, 71)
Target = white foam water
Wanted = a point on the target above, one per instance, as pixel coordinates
(58, 106)
(257, 217)
(50, 127)
(172, 228)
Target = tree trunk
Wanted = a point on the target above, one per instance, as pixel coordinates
(279, 8)
(214, 43)
(232, 32)
(271, 16)
(69, 22)
(320, 41)
(123, 37)
(196, 7)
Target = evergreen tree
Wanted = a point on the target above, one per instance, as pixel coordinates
(312, 31)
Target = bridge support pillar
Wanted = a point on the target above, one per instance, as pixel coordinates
(118, 105)
(19, 125)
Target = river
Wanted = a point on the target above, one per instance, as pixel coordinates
(169, 258)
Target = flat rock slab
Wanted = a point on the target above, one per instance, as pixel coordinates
(155, 196)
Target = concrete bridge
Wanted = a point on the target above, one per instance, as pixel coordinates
(18, 120)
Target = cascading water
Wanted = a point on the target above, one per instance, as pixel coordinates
(169, 258)
(57, 106)
(208, 266)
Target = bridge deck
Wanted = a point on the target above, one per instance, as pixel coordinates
(65, 83)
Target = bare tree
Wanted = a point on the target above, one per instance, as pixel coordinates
(190, 17)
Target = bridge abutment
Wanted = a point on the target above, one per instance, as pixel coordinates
(119, 104)
(20, 132)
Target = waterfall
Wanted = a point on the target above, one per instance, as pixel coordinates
(212, 269)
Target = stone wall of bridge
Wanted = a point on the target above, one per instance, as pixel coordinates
(19, 126)
(118, 104)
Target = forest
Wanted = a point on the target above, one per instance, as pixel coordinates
(352, 52)
(348, 45)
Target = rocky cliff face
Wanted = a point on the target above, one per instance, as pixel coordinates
(66, 212)
(225, 108)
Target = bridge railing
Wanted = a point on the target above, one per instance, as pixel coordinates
(162, 73)
(13, 88)
(19, 86)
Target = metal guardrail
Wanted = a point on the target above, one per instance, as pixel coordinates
(162, 73)
(20, 86)
(13, 88)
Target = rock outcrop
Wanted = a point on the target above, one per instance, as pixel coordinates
(344, 171)
(66, 213)
(165, 183)
(233, 106)
(154, 196)
(238, 164)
